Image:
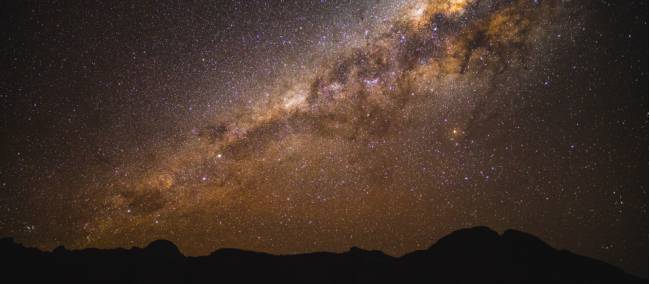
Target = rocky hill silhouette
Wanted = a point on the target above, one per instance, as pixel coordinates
(475, 255)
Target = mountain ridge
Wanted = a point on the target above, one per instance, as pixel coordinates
(464, 256)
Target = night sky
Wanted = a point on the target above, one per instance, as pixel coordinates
(300, 126)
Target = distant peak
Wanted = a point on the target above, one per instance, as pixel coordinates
(474, 232)
(60, 249)
(163, 247)
(477, 230)
(481, 231)
(358, 252)
(519, 238)
(357, 249)
(476, 236)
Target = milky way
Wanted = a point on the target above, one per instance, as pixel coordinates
(328, 125)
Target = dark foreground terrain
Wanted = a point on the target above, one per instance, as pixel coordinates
(476, 255)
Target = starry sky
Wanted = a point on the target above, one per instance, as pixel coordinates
(300, 126)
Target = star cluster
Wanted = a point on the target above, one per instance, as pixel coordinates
(296, 126)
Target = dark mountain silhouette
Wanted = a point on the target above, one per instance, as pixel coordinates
(476, 255)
